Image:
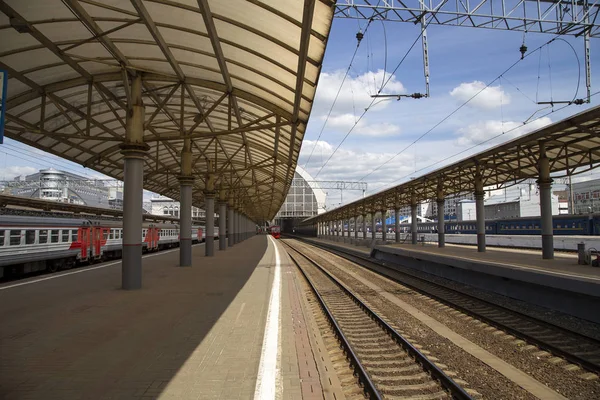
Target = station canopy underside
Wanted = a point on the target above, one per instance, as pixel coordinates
(572, 146)
(237, 78)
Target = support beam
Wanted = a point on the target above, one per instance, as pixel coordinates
(186, 180)
(413, 220)
(397, 224)
(479, 212)
(222, 222)
(209, 206)
(441, 202)
(134, 150)
(383, 227)
(364, 225)
(355, 229)
(441, 224)
(230, 231)
(373, 228)
(545, 185)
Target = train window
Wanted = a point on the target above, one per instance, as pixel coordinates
(65, 235)
(54, 236)
(29, 236)
(15, 237)
(43, 236)
(73, 235)
(2, 238)
(105, 233)
(112, 234)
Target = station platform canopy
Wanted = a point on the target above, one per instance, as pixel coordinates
(572, 146)
(235, 78)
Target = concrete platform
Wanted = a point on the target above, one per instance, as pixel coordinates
(560, 283)
(200, 332)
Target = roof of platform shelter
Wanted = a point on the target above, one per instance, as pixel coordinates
(571, 145)
(238, 78)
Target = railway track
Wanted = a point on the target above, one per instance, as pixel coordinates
(386, 364)
(573, 346)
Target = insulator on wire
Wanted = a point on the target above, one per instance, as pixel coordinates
(523, 50)
(359, 35)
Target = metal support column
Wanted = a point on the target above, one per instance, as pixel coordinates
(397, 224)
(373, 227)
(209, 206)
(383, 227)
(545, 185)
(479, 212)
(134, 150)
(222, 223)
(236, 227)
(413, 221)
(186, 180)
(355, 228)
(230, 212)
(441, 225)
(364, 225)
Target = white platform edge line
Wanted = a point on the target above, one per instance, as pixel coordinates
(84, 270)
(268, 378)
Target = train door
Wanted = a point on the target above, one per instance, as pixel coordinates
(85, 239)
(154, 237)
(97, 242)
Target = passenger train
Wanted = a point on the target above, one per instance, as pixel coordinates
(29, 244)
(275, 231)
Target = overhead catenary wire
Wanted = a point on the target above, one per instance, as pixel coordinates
(337, 94)
(381, 186)
(374, 98)
(34, 158)
(467, 102)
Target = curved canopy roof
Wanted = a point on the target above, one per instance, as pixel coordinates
(236, 77)
(572, 147)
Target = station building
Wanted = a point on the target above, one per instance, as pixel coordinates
(522, 200)
(162, 205)
(304, 200)
(65, 187)
(586, 197)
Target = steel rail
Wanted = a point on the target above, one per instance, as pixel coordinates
(570, 357)
(455, 390)
(363, 376)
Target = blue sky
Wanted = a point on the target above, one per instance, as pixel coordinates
(462, 61)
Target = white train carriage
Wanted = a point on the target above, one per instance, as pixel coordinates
(29, 244)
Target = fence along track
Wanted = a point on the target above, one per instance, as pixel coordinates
(387, 365)
(573, 346)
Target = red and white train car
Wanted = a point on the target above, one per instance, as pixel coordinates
(29, 244)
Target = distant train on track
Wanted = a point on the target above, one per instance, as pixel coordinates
(579, 225)
(275, 231)
(575, 225)
(29, 244)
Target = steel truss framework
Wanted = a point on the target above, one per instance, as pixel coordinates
(237, 80)
(571, 145)
(565, 17)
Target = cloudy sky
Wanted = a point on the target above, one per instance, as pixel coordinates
(395, 140)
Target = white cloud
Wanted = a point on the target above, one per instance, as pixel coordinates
(490, 98)
(9, 173)
(356, 93)
(484, 130)
(345, 122)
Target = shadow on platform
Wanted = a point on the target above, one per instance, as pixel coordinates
(81, 336)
